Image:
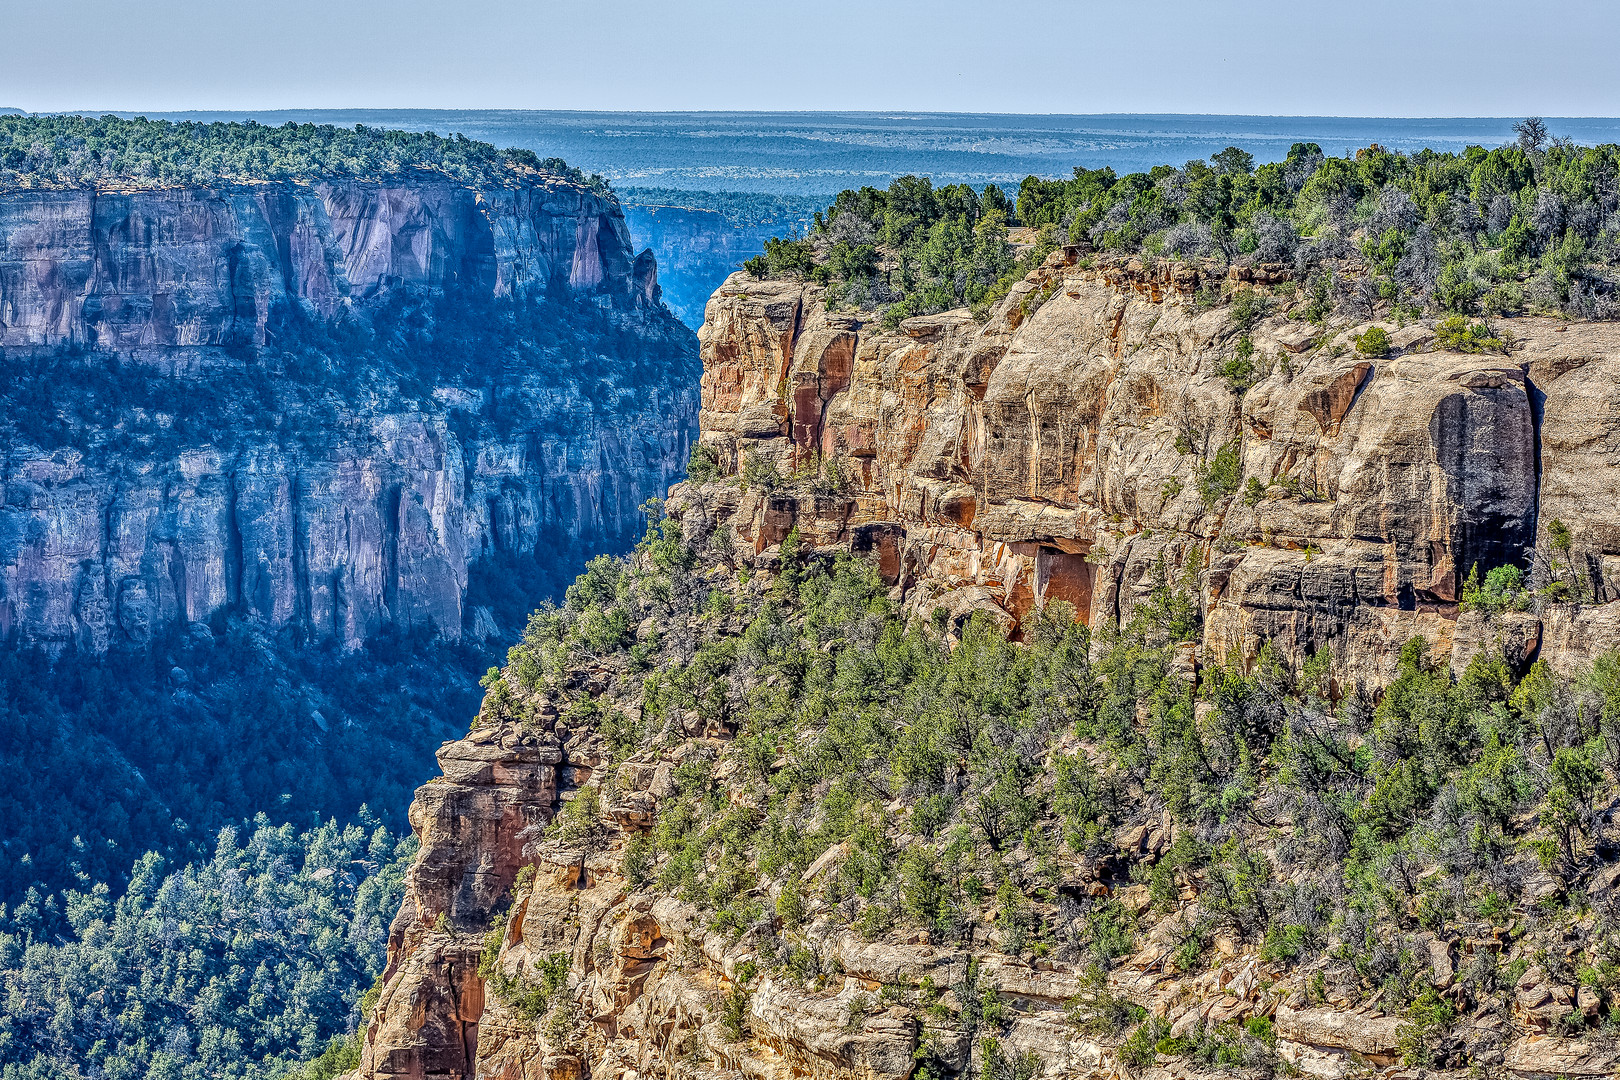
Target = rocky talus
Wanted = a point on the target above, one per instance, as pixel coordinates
(315, 497)
(1071, 447)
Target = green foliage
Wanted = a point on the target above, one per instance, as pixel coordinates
(734, 1013)
(1222, 475)
(1237, 890)
(580, 825)
(341, 1055)
(782, 258)
(1457, 334)
(702, 465)
(1447, 232)
(639, 861)
(1503, 590)
(1248, 307)
(1560, 535)
(1141, 1047)
(250, 739)
(1373, 342)
(1427, 1018)
(1226, 1045)
(79, 151)
(1239, 371)
(760, 472)
(1111, 933)
(533, 994)
(1098, 1011)
(929, 769)
(243, 963)
(1318, 298)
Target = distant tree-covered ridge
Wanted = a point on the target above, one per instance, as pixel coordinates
(1532, 226)
(80, 151)
(740, 209)
(241, 965)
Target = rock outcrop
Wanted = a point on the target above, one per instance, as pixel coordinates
(1102, 421)
(309, 428)
(1089, 439)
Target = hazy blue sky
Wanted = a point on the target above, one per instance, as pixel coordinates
(1347, 57)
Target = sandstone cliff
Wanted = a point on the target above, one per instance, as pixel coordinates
(1066, 445)
(297, 401)
(1088, 443)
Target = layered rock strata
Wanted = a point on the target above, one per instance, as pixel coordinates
(655, 988)
(342, 498)
(1103, 426)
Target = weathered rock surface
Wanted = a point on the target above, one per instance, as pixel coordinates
(1062, 448)
(341, 515)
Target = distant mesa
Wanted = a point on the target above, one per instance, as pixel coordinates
(12, 112)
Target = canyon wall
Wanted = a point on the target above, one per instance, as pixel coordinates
(1092, 433)
(1086, 441)
(297, 401)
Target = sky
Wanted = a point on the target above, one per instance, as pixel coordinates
(1300, 58)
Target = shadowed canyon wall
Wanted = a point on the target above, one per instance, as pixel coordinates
(320, 405)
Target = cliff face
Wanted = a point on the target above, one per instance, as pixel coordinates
(195, 267)
(1084, 444)
(207, 443)
(1087, 431)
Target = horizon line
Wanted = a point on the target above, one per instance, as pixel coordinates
(94, 113)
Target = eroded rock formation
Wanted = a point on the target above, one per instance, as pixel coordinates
(1093, 427)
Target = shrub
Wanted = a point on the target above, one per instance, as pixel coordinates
(1374, 342)
(1098, 1011)
(1457, 334)
(1502, 590)
(759, 471)
(784, 257)
(1238, 373)
(1142, 1047)
(1249, 306)
(1319, 298)
(734, 1013)
(1427, 1017)
(639, 858)
(1285, 943)
(1222, 476)
(703, 464)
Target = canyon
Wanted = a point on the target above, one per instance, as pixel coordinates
(697, 249)
(1088, 442)
(701, 238)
